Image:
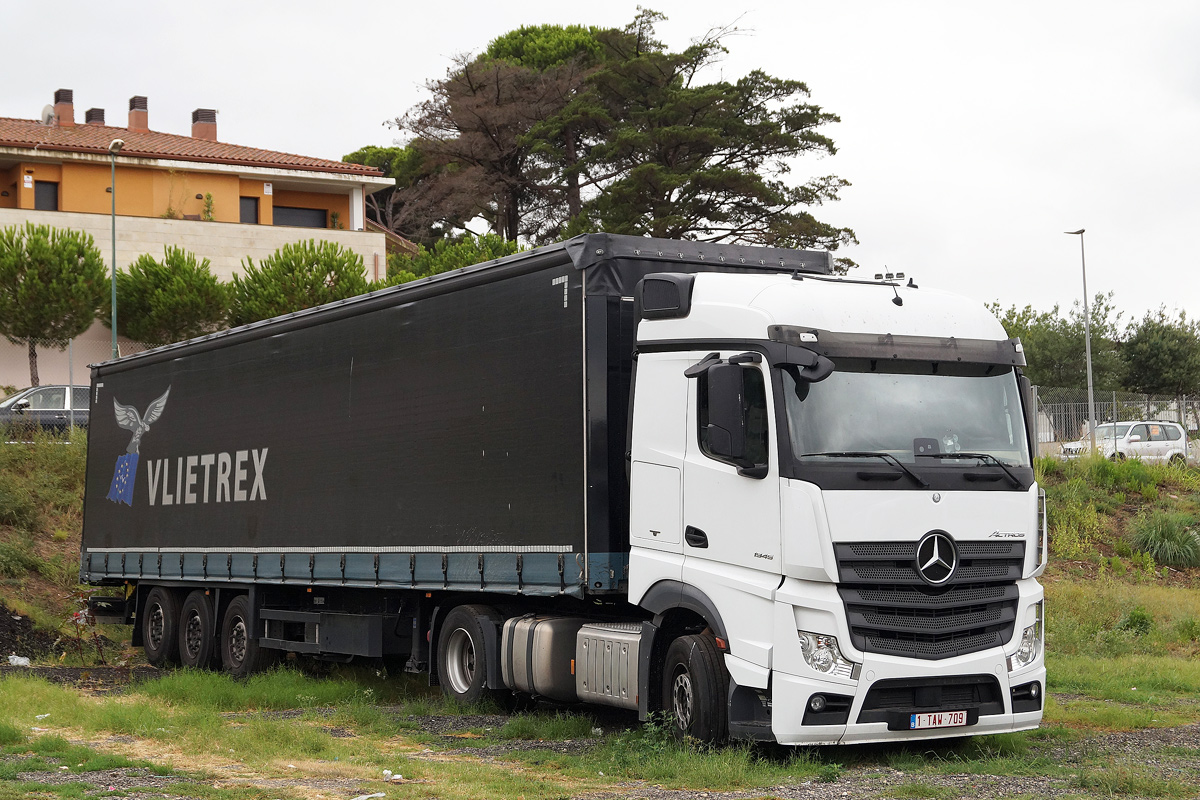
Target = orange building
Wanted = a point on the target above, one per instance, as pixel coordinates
(221, 201)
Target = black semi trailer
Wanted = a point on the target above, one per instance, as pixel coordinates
(567, 474)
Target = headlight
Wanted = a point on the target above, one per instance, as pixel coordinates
(821, 652)
(1031, 644)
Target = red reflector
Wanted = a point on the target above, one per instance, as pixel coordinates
(721, 643)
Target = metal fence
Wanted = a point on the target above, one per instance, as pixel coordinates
(61, 363)
(1063, 414)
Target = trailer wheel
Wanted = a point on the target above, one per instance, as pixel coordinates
(197, 631)
(160, 625)
(241, 655)
(462, 654)
(696, 689)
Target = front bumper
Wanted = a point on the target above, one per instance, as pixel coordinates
(791, 694)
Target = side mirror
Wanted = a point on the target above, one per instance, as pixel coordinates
(20, 406)
(726, 422)
(1135, 438)
(1025, 387)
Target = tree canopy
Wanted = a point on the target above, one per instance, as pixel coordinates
(1054, 344)
(553, 130)
(1162, 355)
(295, 277)
(177, 298)
(52, 282)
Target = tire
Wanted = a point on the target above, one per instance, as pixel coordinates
(197, 631)
(241, 655)
(696, 689)
(462, 655)
(160, 627)
(1178, 460)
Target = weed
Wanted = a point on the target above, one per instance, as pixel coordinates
(10, 734)
(1170, 538)
(1138, 621)
(547, 726)
(1121, 779)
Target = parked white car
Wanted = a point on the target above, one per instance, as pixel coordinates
(1150, 440)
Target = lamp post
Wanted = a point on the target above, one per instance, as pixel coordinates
(113, 149)
(1087, 338)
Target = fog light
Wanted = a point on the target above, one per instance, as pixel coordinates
(817, 703)
(1035, 690)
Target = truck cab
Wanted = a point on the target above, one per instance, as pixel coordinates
(837, 475)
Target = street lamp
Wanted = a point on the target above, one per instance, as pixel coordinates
(113, 149)
(1087, 338)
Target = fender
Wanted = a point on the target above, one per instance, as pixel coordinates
(660, 598)
(665, 595)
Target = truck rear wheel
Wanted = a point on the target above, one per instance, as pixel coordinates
(160, 625)
(197, 631)
(462, 654)
(240, 654)
(696, 689)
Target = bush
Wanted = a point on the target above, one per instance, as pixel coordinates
(178, 298)
(1138, 622)
(295, 277)
(447, 255)
(1171, 538)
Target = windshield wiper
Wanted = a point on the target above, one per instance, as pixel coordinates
(888, 457)
(986, 458)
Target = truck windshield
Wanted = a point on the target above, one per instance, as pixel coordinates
(907, 410)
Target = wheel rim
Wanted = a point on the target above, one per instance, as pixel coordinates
(154, 632)
(460, 661)
(682, 700)
(193, 637)
(237, 641)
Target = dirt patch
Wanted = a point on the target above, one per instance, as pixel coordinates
(19, 637)
(94, 680)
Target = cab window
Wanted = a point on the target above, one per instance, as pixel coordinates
(754, 415)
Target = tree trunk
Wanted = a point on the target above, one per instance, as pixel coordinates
(33, 375)
(571, 156)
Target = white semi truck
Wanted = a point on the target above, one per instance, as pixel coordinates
(713, 481)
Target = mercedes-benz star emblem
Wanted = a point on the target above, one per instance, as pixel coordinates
(937, 558)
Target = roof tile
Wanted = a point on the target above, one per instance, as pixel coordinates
(152, 144)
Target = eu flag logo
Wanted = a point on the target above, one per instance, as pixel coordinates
(124, 477)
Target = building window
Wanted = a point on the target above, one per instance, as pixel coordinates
(45, 196)
(249, 210)
(300, 217)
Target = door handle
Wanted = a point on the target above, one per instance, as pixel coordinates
(695, 537)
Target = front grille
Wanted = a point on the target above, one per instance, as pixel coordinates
(891, 610)
(922, 695)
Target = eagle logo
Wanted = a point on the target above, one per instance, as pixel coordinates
(125, 473)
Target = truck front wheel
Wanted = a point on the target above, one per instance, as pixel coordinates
(240, 654)
(696, 689)
(462, 656)
(160, 625)
(197, 634)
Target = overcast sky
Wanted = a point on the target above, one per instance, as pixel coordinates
(973, 135)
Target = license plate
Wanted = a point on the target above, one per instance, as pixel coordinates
(942, 719)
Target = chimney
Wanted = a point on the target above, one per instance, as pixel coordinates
(139, 114)
(204, 124)
(94, 116)
(64, 108)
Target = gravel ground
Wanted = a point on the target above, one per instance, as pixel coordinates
(1141, 749)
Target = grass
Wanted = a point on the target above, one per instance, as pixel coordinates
(1171, 538)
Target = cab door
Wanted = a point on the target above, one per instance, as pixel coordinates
(731, 501)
